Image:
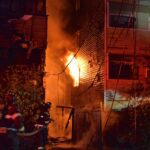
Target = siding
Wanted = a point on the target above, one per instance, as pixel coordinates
(91, 43)
(89, 94)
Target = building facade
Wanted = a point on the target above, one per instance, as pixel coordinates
(22, 51)
(87, 97)
(127, 52)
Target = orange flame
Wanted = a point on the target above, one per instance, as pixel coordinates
(74, 69)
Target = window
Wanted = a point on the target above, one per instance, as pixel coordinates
(147, 75)
(120, 15)
(121, 21)
(121, 67)
(148, 72)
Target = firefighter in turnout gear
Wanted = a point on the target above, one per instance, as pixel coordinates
(42, 122)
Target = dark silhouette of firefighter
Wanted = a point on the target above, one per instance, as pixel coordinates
(42, 123)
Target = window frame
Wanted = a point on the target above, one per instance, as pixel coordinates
(122, 60)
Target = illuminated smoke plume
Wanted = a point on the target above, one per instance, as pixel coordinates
(59, 43)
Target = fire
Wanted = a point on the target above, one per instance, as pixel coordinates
(74, 69)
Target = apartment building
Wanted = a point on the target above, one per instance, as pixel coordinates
(127, 52)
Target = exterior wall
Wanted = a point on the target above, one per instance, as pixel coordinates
(20, 16)
(133, 42)
(22, 51)
(87, 97)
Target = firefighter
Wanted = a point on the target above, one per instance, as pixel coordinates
(13, 121)
(42, 123)
(44, 116)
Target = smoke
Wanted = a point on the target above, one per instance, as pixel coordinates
(59, 41)
(88, 136)
(57, 87)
